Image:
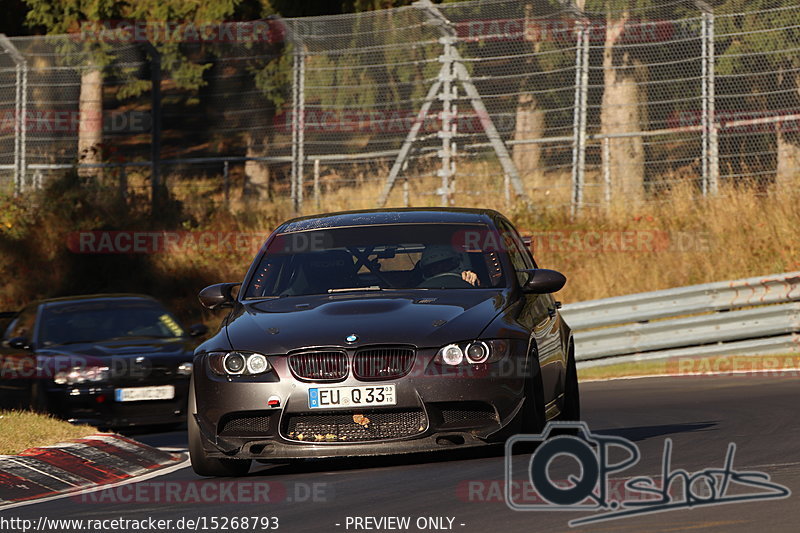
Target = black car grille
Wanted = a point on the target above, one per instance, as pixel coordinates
(319, 366)
(245, 424)
(388, 362)
(360, 427)
(467, 414)
(133, 373)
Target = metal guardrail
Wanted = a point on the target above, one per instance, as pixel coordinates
(750, 316)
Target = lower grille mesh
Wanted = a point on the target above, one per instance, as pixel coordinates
(245, 424)
(360, 427)
(468, 414)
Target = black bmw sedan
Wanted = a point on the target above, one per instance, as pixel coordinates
(380, 332)
(111, 360)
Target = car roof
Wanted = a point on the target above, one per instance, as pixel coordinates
(408, 215)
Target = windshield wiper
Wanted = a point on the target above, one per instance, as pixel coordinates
(353, 289)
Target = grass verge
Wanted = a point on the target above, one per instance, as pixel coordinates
(676, 238)
(20, 430)
(787, 364)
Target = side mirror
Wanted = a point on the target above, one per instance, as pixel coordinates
(19, 343)
(543, 281)
(198, 330)
(218, 296)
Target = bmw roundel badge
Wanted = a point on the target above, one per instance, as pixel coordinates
(351, 338)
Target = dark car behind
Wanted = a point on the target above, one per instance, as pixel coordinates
(110, 360)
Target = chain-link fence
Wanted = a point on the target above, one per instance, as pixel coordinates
(565, 105)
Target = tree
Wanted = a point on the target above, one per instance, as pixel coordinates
(59, 18)
(622, 102)
(764, 66)
(98, 29)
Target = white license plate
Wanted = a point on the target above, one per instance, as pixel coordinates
(138, 394)
(349, 397)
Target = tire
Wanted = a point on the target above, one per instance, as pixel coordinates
(38, 401)
(202, 464)
(533, 415)
(571, 407)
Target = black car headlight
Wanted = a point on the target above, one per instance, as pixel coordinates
(78, 375)
(238, 363)
(473, 352)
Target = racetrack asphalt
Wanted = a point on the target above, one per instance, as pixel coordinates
(701, 415)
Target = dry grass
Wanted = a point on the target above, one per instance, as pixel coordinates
(683, 240)
(20, 430)
(677, 239)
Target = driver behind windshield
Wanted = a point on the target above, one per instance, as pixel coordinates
(440, 261)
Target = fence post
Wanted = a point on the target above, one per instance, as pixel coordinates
(713, 144)
(20, 110)
(293, 180)
(226, 183)
(446, 95)
(155, 138)
(301, 129)
(579, 119)
(123, 183)
(706, 118)
(507, 190)
(316, 184)
(606, 171)
(298, 125)
(23, 131)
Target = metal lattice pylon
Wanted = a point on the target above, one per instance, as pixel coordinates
(453, 70)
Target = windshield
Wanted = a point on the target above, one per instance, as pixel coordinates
(367, 258)
(94, 321)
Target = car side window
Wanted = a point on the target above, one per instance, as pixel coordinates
(23, 325)
(519, 259)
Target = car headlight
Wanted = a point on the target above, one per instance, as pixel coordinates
(79, 374)
(185, 369)
(238, 363)
(257, 364)
(473, 352)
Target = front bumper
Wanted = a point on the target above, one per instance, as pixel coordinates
(436, 409)
(96, 405)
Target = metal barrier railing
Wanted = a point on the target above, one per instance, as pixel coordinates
(752, 316)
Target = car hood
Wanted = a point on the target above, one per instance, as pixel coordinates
(154, 349)
(423, 318)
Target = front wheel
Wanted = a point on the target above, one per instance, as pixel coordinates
(202, 464)
(38, 401)
(571, 406)
(533, 414)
